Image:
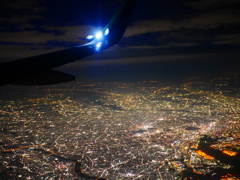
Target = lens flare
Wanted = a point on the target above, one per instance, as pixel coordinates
(106, 32)
(90, 37)
(99, 44)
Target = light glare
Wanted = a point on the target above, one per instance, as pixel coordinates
(99, 44)
(99, 35)
(90, 37)
(106, 32)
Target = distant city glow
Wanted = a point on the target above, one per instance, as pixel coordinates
(99, 35)
(106, 32)
(99, 44)
(90, 37)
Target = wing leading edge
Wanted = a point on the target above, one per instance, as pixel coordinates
(23, 71)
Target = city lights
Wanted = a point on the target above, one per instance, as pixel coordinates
(201, 153)
(119, 130)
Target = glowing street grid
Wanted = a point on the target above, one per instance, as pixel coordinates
(116, 130)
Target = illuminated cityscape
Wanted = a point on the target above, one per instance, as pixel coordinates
(153, 129)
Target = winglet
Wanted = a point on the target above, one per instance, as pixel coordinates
(119, 22)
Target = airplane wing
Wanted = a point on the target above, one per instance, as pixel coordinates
(37, 70)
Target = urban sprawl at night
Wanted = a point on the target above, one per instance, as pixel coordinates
(153, 129)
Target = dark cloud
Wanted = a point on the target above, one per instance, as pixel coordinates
(18, 51)
(24, 18)
(213, 4)
(204, 21)
(27, 37)
(32, 6)
(20, 15)
(228, 39)
(166, 45)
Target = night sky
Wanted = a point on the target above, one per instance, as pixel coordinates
(164, 38)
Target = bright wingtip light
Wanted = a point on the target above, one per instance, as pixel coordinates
(99, 35)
